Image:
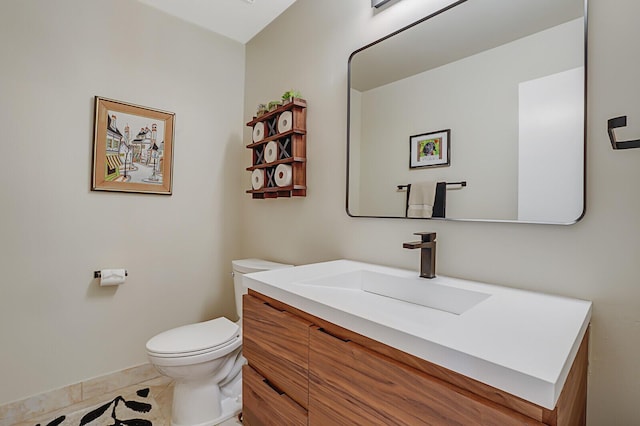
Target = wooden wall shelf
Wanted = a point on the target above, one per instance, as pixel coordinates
(276, 137)
(279, 137)
(301, 103)
(275, 163)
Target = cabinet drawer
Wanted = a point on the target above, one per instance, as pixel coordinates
(276, 345)
(265, 406)
(352, 385)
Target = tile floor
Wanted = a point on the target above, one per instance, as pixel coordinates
(125, 402)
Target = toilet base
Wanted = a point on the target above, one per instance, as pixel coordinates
(231, 407)
(202, 402)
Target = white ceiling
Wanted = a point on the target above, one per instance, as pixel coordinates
(239, 20)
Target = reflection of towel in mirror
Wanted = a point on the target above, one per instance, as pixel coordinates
(421, 199)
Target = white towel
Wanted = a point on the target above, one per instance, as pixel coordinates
(422, 196)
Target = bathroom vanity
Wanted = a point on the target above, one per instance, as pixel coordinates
(346, 342)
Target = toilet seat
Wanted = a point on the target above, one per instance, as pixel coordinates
(195, 339)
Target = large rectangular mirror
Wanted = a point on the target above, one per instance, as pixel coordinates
(479, 109)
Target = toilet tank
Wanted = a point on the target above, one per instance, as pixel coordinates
(246, 266)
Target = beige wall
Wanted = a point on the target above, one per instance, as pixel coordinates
(596, 259)
(56, 326)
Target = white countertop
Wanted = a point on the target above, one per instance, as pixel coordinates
(518, 341)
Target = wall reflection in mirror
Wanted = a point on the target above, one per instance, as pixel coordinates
(506, 80)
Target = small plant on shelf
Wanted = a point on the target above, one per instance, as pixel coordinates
(290, 94)
(274, 104)
(261, 110)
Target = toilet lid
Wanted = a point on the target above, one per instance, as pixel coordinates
(194, 338)
(245, 266)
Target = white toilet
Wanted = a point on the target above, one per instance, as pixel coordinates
(205, 360)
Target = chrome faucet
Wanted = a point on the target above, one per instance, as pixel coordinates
(427, 253)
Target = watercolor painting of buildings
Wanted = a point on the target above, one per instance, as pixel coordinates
(132, 148)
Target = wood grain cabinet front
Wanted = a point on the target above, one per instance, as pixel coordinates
(351, 385)
(265, 405)
(276, 345)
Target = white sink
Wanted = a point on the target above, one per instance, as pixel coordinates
(419, 291)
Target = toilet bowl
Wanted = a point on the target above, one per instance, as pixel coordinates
(205, 360)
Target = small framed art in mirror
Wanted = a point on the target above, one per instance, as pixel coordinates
(430, 149)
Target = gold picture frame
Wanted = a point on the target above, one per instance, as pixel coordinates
(132, 148)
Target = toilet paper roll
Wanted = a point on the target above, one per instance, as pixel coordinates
(271, 152)
(283, 175)
(257, 179)
(285, 122)
(258, 132)
(112, 277)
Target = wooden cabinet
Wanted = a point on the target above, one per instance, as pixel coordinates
(276, 380)
(266, 405)
(279, 152)
(350, 384)
(354, 380)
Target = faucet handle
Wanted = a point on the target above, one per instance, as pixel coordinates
(427, 237)
(412, 245)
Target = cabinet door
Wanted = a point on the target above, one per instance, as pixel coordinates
(264, 405)
(352, 385)
(276, 345)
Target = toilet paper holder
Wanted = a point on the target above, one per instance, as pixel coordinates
(98, 274)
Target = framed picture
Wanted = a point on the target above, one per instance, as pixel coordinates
(430, 149)
(132, 148)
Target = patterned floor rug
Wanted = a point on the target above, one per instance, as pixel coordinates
(135, 409)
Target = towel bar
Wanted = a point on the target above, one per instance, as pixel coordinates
(462, 183)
